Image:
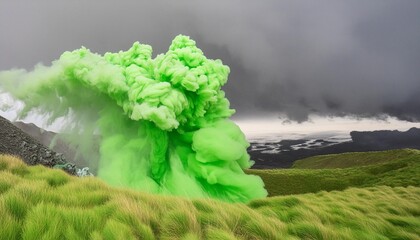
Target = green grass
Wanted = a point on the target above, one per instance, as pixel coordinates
(353, 159)
(397, 168)
(41, 203)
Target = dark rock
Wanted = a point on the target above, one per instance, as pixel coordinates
(62, 144)
(16, 142)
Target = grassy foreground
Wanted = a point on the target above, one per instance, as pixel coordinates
(41, 203)
(397, 168)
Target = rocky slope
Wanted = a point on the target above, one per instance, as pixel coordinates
(16, 142)
(58, 143)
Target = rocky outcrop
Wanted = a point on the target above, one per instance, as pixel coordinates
(16, 142)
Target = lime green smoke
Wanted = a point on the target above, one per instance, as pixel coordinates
(163, 122)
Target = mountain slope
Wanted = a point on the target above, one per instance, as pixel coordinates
(61, 143)
(16, 142)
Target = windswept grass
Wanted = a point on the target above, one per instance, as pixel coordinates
(41, 203)
(400, 169)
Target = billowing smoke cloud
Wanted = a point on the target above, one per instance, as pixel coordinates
(297, 57)
(163, 122)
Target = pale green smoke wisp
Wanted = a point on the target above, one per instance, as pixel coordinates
(163, 122)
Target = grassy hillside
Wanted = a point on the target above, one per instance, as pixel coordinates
(400, 169)
(41, 203)
(353, 159)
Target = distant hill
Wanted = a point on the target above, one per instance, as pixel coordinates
(355, 159)
(384, 139)
(361, 142)
(391, 168)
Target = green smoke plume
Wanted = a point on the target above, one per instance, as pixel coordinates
(163, 121)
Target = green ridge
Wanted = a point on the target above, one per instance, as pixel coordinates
(397, 168)
(353, 159)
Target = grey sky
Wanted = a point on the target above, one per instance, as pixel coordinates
(298, 57)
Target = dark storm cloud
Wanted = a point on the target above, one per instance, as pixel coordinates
(299, 57)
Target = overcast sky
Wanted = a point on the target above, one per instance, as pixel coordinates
(296, 57)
